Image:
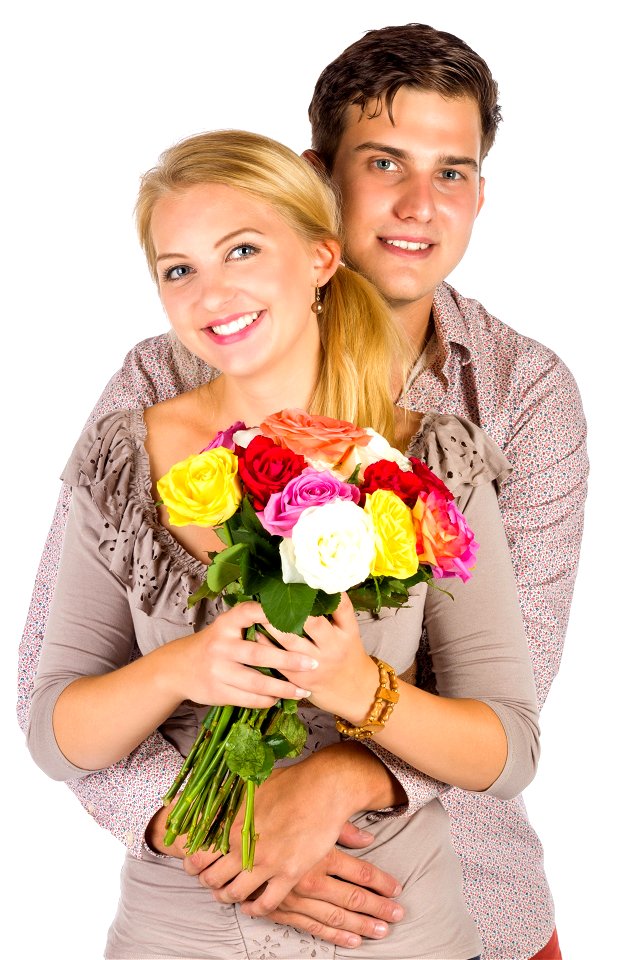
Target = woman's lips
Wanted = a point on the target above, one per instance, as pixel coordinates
(235, 327)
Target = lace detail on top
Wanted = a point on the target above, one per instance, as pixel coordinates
(458, 451)
(111, 460)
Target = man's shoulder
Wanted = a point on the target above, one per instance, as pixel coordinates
(155, 369)
(484, 334)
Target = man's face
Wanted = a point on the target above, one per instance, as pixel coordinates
(411, 191)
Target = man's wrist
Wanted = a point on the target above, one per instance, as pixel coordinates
(360, 780)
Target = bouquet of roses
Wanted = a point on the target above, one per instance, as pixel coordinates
(308, 507)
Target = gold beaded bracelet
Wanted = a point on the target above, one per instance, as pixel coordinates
(387, 695)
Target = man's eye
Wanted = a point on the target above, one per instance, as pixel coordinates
(176, 273)
(385, 164)
(242, 251)
(451, 175)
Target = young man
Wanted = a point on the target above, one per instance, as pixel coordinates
(402, 121)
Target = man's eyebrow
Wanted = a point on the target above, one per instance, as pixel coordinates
(382, 148)
(449, 160)
(218, 243)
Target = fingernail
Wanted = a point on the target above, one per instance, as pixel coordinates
(397, 914)
(397, 891)
(353, 941)
(308, 663)
(302, 693)
(380, 930)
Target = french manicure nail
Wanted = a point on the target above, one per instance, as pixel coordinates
(302, 693)
(308, 663)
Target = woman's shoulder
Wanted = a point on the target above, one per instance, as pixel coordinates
(458, 451)
(112, 491)
(104, 448)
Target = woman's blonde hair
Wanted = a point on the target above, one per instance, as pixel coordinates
(360, 342)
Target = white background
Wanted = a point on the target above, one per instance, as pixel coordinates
(92, 92)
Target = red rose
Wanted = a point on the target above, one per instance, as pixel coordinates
(266, 468)
(428, 480)
(387, 475)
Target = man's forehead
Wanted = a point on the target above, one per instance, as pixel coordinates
(416, 113)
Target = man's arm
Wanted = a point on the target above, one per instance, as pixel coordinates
(542, 505)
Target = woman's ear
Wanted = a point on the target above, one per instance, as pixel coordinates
(326, 260)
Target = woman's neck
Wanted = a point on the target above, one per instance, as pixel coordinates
(252, 402)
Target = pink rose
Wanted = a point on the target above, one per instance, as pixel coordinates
(444, 540)
(225, 437)
(312, 488)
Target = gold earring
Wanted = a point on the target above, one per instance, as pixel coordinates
(316, 306)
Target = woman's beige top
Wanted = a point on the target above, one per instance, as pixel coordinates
(122, 591)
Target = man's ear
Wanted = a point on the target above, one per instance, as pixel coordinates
(480, 196)
(314, 159)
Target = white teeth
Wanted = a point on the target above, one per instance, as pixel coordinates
(224, 329)
(408, 245)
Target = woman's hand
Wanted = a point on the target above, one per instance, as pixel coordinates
(217, 664)
(346, 679)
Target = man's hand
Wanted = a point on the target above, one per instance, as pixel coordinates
(338, 897)
(342, 898)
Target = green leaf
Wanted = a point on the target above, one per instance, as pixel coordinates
(364, 597)
(279, 744)
(250, 519)
(247, 754)
(287, 605)
(290, 727)
(354, 476)
(289, 706)
(202, 593)
(225, 567)
(325, 604)
(420, 576)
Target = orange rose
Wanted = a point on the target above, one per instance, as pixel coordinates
(315, 438)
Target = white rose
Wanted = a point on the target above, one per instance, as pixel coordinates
(242, 438)
(377, 449)
(331, 547)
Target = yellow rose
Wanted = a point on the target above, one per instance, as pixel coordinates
(395, 535)
(203, 489)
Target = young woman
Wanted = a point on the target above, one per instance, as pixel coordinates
(242, 238)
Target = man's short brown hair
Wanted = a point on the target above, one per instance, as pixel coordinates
(373, 69)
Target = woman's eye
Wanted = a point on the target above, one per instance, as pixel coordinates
(242, 251)
(385, 164)
(176, 273)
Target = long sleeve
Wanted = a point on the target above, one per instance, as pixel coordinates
(476, 643)
(542, 506)
(124, 797)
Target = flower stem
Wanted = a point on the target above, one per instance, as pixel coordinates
(248, 829)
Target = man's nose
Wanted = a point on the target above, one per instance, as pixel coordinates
(416, 200)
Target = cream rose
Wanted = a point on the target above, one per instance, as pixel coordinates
(331, 547)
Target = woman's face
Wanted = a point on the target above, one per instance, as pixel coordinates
(237, 283)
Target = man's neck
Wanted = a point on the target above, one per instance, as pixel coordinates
(415, 319)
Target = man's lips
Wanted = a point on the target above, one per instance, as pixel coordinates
(407, 245)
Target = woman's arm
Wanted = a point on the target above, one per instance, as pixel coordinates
(102, 701)
(481, 731)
